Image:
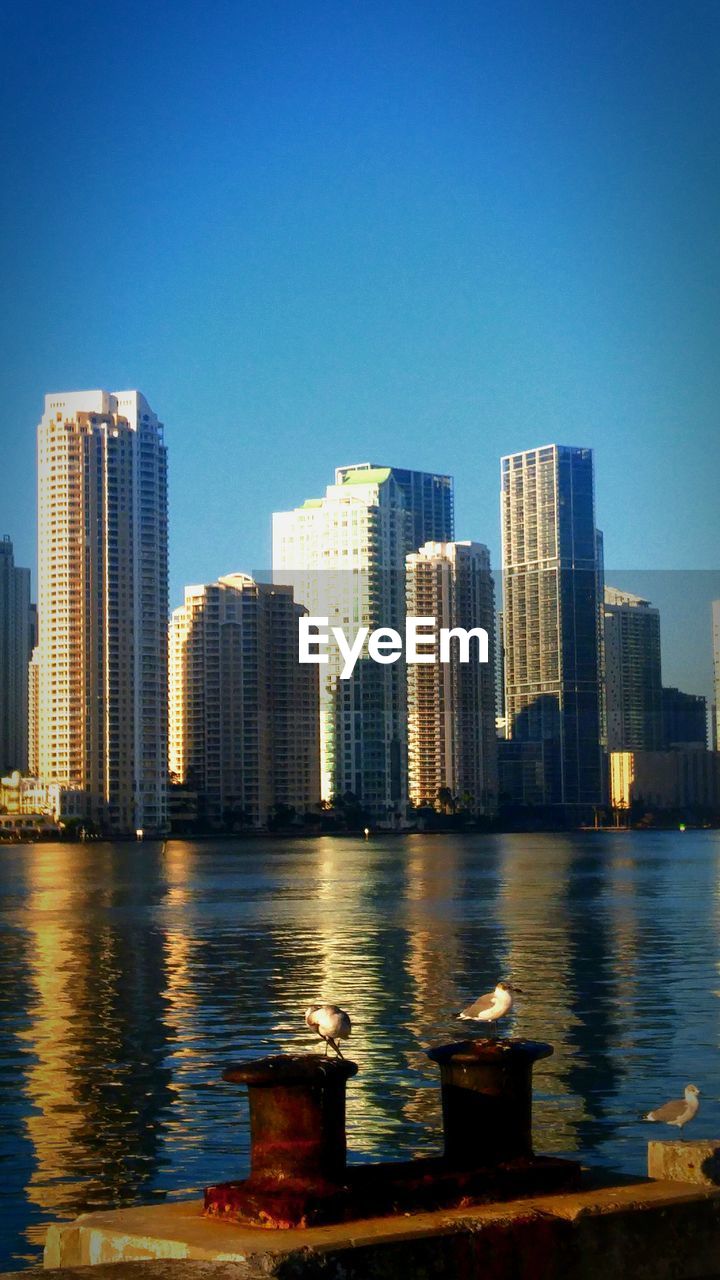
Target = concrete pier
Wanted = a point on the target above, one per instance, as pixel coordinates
(487, 1207)
(634, 1230)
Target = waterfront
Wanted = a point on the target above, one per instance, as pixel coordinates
(130, 975)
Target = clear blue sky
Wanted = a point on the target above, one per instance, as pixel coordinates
(422, 233)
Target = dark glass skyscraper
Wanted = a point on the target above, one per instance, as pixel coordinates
(552, 587)
(16, 619)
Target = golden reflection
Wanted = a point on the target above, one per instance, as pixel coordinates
(92, 1037)
(344, 960)
(532, 906)
(432, 962)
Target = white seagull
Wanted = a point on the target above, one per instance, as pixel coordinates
(495, 1004)
(679, 1111)
(332, 1024)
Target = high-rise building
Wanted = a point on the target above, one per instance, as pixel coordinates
(244, 724)
(715, 676)
(452, 743)
(684, 719)
(633, 683)
(429, 499)
(344, 554)
(102, 603)
(551, 616)
(16, 640)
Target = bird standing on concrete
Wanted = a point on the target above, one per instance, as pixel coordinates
(492, 1006)
(679, 1111)
(332, 1024)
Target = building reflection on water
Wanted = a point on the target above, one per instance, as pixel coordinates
(131, 975)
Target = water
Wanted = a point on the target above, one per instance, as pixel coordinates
(129, 977)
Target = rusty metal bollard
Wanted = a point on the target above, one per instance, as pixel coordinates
(298, 1146)
(487, 1099)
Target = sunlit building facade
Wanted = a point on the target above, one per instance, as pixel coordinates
(345, 557)
(428, 498)
(552, 604)
(452, 742)
(102, 602)
(244, 720)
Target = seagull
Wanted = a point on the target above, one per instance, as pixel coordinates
(679, 1111)
(495, 1004)
(332, 1024)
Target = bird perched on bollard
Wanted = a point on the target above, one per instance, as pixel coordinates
(330, 1022)
(492, 1006)
(679, 1111)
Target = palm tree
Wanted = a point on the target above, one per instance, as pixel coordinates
(446, 800)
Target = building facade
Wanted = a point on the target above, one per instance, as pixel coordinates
(452, 742)
(344, 554)
(27, 795)
(428, 498)
(16, 641)
(715, 737)
(552, 618)
(101, 679)
(684, 719)
(687, 779)
(633, 680)
(244, 720)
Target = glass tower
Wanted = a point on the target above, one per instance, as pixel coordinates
(552, 585)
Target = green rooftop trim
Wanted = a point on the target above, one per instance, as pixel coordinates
(311, 502)
(375, 475)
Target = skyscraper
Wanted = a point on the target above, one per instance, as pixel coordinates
(428, 498)
(244, 726)
(715, 676)
(344, 554)
(16, 639)
(633, 682)
(102, 602)
(551, 615)
(452, 743)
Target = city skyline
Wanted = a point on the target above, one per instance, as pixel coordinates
(679, 594)
(578, 665)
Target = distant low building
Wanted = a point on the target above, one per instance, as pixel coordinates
(686, 778)
(29, 795)
(28, 826)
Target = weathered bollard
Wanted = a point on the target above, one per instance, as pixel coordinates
(298, 1171)
(487, 1099)
(297, 1142)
